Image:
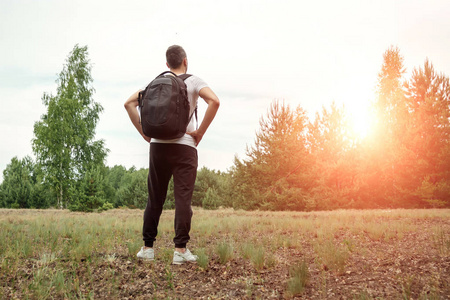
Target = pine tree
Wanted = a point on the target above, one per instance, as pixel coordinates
(428, 138)
(385, 153)
(21, 186)
(334, 154)
(277, 162)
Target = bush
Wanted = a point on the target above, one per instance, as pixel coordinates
(211, 200)
(134, 192)
(106, 206)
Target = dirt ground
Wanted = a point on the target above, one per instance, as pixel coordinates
(405, 269)
(415, 266)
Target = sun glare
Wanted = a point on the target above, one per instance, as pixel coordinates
(361, 120)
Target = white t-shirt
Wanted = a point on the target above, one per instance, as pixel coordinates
(194, 84)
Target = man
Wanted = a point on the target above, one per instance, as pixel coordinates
(177, 158)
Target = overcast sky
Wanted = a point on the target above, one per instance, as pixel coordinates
(308, 53)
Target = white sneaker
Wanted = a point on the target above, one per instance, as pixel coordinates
(146, 254)
(180, 258)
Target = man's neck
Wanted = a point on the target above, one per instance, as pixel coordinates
(178, 71)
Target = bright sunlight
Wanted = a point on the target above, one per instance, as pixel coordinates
(361, 119)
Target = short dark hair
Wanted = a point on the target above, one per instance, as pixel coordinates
(175, 55)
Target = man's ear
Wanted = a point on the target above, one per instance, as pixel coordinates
(167, 64)
(185, 63)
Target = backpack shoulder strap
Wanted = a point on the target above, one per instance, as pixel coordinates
(163, 73)
(184, 76)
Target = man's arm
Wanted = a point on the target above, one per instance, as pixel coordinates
(213, 105)
(131, 106)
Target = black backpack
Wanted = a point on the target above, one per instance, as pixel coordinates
(164, 107)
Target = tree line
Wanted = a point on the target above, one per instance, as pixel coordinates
(294, 164)
(100, 189)
(298, 164)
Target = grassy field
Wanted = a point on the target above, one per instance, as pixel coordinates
(345, 254)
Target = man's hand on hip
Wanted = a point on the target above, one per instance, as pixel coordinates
(196, 135)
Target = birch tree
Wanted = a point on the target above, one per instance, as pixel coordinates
(63, 141)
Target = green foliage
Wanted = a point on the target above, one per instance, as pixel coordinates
(225, 252)
(299, 278)
(89, 193)
(211, 200)
(428, 135)
(64, 142)
(22, 185)
(295, 164)
(203, 259)
(129, 188)
(334, 156)
(285, 197)
(106, 206)
(332, 256)
(170, 198)
(278, 158)
(212, 189)
(133, 189)
(114, 179)
(428, 191)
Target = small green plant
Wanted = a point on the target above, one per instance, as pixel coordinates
(258, 257)
(133, 248)
(166, 255)
(41, 282)
(299, 278)
(26, 248)
(270, 260)
(247, 250)
(106, 206)
(332, 256)
(58, 281)
(169, 278)
(225, 252)
(203, 259)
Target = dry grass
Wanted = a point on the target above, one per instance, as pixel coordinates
(62, 254)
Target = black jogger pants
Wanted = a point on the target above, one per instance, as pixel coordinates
(167, 160)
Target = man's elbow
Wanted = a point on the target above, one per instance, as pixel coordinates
(215, 102)
(132, 102)
(128, 105)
